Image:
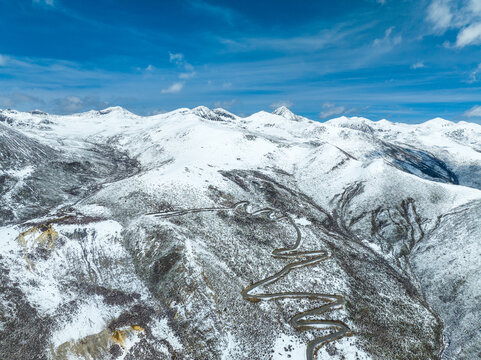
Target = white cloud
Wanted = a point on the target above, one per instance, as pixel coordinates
(176, 58)
(475, 6)
(382, 2)
(475, 111)
(474, 75)
(226, 104)
(439, 14)
(388, 41)
(179, 60)
(186, 75)
(187, 72)
(470, 35)
(187, 69)
(150, 68)
(16, 99)
(329, 109)
(464, 16)
(72, 104)
(418, 65)
(174, 88)
(278, 104)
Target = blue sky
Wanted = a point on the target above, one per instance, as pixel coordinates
(401, 60)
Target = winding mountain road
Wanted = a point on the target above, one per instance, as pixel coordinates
(306, 319)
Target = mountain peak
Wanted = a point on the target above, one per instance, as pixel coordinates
(286, 113)
(440, 122)
(199, 110)
(114, 109)
(214, 115)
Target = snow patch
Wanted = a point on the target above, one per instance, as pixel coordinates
(162, 330)
(91, 318)
(288, 347)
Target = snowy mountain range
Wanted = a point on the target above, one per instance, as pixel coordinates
(199, 234)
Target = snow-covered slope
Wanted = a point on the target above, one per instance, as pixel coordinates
(134, 237)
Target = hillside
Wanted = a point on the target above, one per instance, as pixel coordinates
(199, 234)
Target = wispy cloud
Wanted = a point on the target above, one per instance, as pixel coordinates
(187, 75)
(72, 104)
(330, 109)
(187, 72)
(26, 98)
(47, 73)
(44, 2)
(305, 43)
(464, 16)
(3, 60)
(63, 105)
(19, 99)
(225, 104)
(278, 104)
(389, 40)
(155, 112)
(418, 65)
(475, 111)
(474, 76)
(54, 85)
(5, 102)
(223, 12)
(178, 59)
(174, 88)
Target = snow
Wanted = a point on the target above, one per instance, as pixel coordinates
(160, 329)
(22, 173)
(8, 245)
(345, 350)
(231, 350)
(183, 152)
(91, 318)
(302, 221)
(288, 347)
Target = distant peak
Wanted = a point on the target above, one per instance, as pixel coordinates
(438, 122)
(286, 113)
(199, 110)
(283, 111)
(114, 109)
(214, 115)
(354, 123)
(38, 112)
(224, 113)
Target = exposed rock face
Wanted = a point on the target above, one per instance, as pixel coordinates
(198, 234)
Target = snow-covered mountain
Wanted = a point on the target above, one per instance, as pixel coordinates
(199, 234)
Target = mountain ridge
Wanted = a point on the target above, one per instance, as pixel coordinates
(282, 111)
(135, 220)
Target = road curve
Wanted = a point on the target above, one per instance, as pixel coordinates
(301, 321)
